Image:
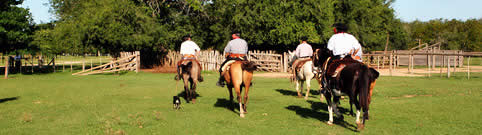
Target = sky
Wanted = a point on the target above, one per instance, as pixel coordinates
(406, 10)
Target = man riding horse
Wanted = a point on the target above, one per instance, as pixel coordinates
(341, 44)
(235, 50)
(303, 53)
(189, 51)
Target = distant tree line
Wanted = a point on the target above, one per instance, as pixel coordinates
(155, 26)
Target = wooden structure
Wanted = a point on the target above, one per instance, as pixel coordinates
(211, 60)
(446, 58)
(128, 61)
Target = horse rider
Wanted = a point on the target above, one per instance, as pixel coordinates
(189, 51)
(342, 44)
(303, 53)
(236, 49)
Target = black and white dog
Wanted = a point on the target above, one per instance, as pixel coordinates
(176, 102)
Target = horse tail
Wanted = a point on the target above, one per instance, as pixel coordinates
(364, 87)
(249, 66)
(187, 66)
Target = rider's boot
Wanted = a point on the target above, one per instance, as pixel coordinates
(177, 77)
(200, 78)
(220, 82)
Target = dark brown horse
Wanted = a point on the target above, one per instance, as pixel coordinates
(190, 73)
(355, 80)
(239, 75)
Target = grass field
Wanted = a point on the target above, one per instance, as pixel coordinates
(59, 103)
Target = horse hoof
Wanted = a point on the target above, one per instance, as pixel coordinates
(241, 115)
(306, 98)
(329, 123)
(360, 127)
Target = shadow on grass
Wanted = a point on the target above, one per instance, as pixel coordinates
(8, 99)
(225, 103)
(295, 94)
(183, 95)
(321, 116)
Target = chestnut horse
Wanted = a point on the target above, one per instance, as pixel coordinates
(239, 75)
(190, 73)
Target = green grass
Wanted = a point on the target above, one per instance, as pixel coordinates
(59, 103)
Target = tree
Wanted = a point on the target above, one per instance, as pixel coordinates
(15, 26)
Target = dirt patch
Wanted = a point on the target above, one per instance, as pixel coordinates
(410, 96)
(161, 70)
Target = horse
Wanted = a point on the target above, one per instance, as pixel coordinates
(237, 75)
(190, 74)
(356, 80)
(305, 75)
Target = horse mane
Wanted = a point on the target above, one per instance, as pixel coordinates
(249, 66)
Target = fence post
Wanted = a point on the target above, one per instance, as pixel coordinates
(71, 61)
(448, 67)
(6, 67)
(391, 63)
(138, 61)
(468, 68)
(83, 65)
(409, 62)
(455, 63)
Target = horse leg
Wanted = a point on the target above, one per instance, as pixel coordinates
(330, 108)
(186, 90)
(237, 88)
(307, 82)
(298, 87)
(193, 91)
(231, 97)
(246, 86)
(336, 101)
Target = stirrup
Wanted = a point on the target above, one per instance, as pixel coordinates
(220, 84)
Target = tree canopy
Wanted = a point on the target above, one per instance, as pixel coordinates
(111, 26)
(15, 26)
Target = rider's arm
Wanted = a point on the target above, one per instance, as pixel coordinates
(227, 49)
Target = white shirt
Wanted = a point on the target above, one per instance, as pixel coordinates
(342, 43)
(189, 47)
(304, 50)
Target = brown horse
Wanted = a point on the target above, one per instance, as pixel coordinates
(190, 73)
(356, 80)
(239, 75)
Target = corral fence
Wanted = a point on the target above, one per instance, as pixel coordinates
(211, 60)
(449, 59)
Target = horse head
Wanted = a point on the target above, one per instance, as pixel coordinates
(291, 57)
(321, 55)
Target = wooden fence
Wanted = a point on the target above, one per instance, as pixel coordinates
(429, 58)
(128, 61)
(211, 60)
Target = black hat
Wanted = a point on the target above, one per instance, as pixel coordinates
(341, 27)
(186, 37)
(304, 38)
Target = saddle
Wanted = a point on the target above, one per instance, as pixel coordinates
(337, 65)
(184, 61)
(299, 64)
